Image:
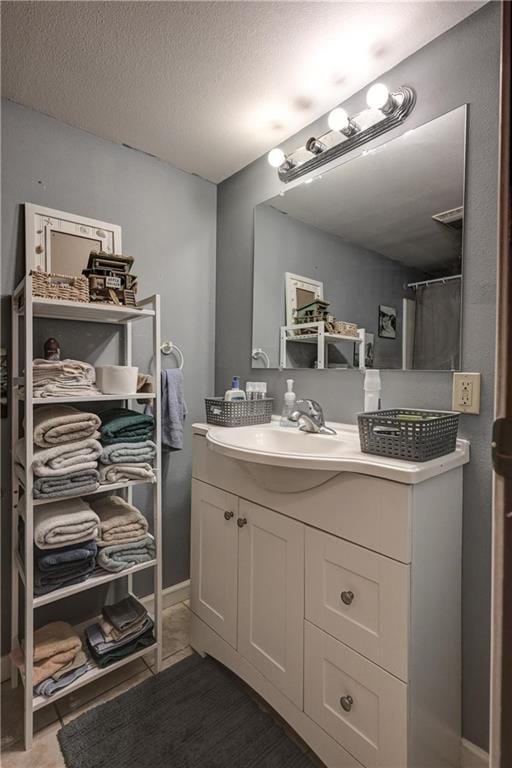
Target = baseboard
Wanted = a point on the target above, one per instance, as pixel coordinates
(170, 596)
(472, 756)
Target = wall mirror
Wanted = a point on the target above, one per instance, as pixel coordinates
(362, 265)
(59, 242)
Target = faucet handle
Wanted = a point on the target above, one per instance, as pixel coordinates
(313, 408)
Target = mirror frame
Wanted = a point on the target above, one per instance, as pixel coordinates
(40, 222)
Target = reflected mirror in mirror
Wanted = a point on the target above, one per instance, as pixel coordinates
(365, 260)
(70, 253)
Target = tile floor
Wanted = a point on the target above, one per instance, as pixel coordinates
(48, 721)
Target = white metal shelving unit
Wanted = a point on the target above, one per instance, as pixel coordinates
(321, 338)
(25, 309)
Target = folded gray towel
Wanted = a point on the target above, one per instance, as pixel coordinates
(119, 557)
(128, 453)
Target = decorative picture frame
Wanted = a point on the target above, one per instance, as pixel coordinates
(369, 358)
(387, 322)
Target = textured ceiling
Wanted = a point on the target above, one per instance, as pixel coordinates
(385, 200)
(207, 86)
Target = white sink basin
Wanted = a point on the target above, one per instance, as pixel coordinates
(275, 446)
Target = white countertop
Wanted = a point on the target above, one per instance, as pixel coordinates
(342, 452)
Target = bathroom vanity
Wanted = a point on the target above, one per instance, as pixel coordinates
(329, 581)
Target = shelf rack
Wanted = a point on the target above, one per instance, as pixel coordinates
(321, 338)
(26, 309)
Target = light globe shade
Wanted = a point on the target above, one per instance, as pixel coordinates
(276, 157)
(338, 119)
(377, 96)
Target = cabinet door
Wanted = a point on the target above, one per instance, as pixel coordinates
(214, 556)
(271, 596)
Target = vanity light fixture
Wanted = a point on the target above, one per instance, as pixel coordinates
(379, 97)
(339, 120)
(277, 159)
(385, 110)
(315, 146)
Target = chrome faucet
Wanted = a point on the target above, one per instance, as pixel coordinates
(310, 413)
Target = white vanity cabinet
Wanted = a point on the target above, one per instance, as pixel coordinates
(339, 605)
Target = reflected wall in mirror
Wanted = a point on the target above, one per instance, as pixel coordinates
(378, 241)
(70, 253)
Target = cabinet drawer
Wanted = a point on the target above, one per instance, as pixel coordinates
(359, 704)
(360, 597)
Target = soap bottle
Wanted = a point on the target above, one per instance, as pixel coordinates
(372, 387)
(235, 393)
(289, 406)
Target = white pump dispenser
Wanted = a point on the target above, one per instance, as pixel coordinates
(372, 387)
(289, 405)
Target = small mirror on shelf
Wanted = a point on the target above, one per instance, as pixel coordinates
(59, 242)
(366, 258)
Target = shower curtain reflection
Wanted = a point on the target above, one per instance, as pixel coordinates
(437, 326)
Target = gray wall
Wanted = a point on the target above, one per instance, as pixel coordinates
(458, 67)
(355, 280)
(168, 218)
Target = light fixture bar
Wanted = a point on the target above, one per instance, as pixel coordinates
(374, 121)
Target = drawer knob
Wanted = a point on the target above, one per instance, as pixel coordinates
(347, 597)
(346, 702)
(228, 514)
(241, 522)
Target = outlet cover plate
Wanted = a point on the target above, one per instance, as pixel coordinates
(466, 392)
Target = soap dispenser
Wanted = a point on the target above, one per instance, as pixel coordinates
(289, 406)
(372, 387)
(235, 393)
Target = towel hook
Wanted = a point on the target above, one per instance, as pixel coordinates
(168, 348)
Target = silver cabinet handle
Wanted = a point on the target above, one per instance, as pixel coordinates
(228, 515)
(241, 522)
(347, 597)
(346, 702)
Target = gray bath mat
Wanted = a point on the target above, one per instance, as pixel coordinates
(192, 715)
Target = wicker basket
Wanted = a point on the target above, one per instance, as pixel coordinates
(65, 287)
(408, 434)
(345, 329)
(238, 413)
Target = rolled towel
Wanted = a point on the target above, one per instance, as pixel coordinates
(59, 523)
(57, 424)
(122, 425)
(55, 645)
(119, 522)
(119, 557)
(61, 459)
(119, 473)
(74, 484)
(128, 453)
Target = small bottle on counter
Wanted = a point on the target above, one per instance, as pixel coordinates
(235, 393)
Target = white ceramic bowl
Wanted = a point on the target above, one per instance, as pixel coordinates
(117, 379)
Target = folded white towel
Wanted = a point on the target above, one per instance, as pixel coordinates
(118, 473)
(58, 424)
(60, 523)
(56, 378)
(61, 459)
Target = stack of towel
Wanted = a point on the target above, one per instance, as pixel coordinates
(62, 378)
(58, 658)
(127, 447)
(66, 452)
(124, 628)
(123, 538)
(64, 544)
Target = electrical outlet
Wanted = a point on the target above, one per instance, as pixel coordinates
(466, 392)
